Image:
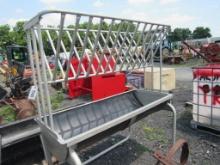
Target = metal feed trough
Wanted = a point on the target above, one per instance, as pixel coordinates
(130, 43)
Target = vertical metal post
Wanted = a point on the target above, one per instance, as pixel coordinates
(33, 70)
(174, 121)
(0, 149)
(161, 62)
(198, 96)
(57, 55)
(152, 66)
(46, 151)
(39, 76)
(41, 49)
(212, 96)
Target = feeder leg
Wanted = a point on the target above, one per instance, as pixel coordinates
(73, 158)
(46, 152)
(174, 121)
(0, 149)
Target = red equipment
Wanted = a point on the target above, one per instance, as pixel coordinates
(108, 85)
(99, 86)
(209, 52)
(212, 51)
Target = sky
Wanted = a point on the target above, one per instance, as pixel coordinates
(177, 13)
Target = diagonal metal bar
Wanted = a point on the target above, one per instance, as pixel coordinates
(72, 47)
(125, 54)
(95, 45)
(84, 45)
(129, 47)
(67, 57)
(98, 59)
(149, 45)
(123, 41)
(157, 46)
(44, 55)
(114, 43)
(54, 51)
(90, 59)
(134, 51)
(62, 19)
(106, 41)
(114, 48)
(138, 42)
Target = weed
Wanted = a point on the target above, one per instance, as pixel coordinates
(157, 134)
(56, 100)
(8, 114)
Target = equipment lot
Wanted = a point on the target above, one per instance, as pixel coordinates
(147, 136)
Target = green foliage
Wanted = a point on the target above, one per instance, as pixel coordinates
(201, 32)
(19, 34)
(8, 114)
(57, 99)
(16, 35)
(5, 38)
(180, 34)
(12, 36)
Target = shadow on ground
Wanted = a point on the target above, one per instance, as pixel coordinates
(123, 154)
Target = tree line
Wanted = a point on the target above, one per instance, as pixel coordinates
(16, 35)
(180, 34)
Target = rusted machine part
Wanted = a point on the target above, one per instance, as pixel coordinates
(168, 159)
(212, 51)
(25, 108)
(199, 54)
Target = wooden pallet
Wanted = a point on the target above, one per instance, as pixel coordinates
(205, 128)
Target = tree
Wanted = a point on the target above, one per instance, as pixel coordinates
(201, 32)
(18, 34)
(5, 38)
(180, 34)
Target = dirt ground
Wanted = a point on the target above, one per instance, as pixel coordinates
(155, 131)
(152, 133)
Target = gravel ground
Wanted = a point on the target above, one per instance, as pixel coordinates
(152, 133)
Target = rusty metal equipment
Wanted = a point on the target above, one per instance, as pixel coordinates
(209, 52)
(198, 53)
(70, 128)
(212, 51)
(169, 158)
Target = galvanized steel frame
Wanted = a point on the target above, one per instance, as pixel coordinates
(123, 49)
(130, 49)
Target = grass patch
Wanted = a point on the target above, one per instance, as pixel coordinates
(142, 148)
(155, 134)
(57, 99)
(8, 114)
